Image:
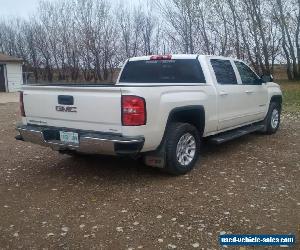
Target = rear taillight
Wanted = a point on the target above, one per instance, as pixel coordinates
(161, 57)
(22, 110)
(133, 110)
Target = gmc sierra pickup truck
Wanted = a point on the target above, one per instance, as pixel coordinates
(160, 108)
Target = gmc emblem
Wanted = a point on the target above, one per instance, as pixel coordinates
(66, 109)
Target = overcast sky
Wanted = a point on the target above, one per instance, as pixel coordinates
(24, 8)
(17, 7)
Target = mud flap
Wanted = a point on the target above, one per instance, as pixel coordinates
(156, 158)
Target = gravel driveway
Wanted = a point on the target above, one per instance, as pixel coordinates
(250, 185)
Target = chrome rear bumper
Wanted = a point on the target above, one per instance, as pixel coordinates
(90, 142)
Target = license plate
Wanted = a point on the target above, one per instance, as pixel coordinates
(69, 137)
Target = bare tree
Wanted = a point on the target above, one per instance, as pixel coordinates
(284, 16)
(74, 40)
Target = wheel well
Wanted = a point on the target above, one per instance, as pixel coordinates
(277, 99)
(194, 115)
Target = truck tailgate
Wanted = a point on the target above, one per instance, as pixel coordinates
(94, 108)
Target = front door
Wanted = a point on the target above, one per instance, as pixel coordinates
(255, 93)
(2, 79)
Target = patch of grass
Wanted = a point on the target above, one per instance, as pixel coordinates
(291, 95)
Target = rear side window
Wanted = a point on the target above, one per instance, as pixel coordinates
(163, 71)
(224, 71)
(247, 75)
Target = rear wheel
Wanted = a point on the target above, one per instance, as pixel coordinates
(272, 120)
(182, 148)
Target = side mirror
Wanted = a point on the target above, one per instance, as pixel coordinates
(267, 78)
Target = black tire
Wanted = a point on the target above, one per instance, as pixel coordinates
(175, 132)
(270, 126)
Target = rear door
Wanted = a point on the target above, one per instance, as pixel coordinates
(231, 105)
(254, 91)
(86, 108)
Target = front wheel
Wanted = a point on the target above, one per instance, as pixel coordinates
(182, 148)
(272, 120)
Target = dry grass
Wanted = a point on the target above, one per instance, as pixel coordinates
(291, 95)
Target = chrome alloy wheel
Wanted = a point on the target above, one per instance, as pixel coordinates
(186, 149)
(274, 118)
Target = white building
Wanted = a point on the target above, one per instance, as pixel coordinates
(11, 77)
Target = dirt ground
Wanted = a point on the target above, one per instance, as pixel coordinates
(9, 97)
(52, 201)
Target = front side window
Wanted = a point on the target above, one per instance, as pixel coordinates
(224, 71)
(163, 71)
(247, 75)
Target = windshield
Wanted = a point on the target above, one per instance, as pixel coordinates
(163, 71)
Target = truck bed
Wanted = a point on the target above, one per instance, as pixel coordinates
(79, 84)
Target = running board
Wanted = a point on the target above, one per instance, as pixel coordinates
(232, 134)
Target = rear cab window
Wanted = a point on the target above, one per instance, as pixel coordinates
(163, 71)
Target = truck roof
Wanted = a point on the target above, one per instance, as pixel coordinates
(174, 56)
(178, 56)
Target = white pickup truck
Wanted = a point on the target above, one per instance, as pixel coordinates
(161, 108)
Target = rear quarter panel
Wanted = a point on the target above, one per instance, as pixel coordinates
(161, 100)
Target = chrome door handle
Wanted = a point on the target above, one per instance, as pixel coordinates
(223, 93)
(249, 91)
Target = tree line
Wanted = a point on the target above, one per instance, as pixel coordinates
(75, 40)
